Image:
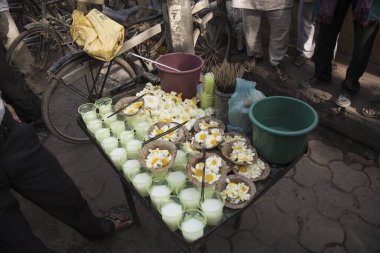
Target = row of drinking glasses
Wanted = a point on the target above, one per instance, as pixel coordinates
(179, 201)
(119, 143)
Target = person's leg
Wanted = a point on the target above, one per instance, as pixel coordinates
(8, 31)
(279, 21)
(17, 93)
(36, 174)
(15, 233)
(251, 24)
(326, 42)
(364, 38)
(24, 61)
(306, 29)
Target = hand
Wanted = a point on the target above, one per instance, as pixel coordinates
(12, 112)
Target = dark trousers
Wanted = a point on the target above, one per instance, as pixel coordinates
(31, 170)
(364, 38)
(16, 92)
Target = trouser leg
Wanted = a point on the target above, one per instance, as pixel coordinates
(16, 235)
(17, 93)
(252, 24)
(326, 42)
(23, 59)
(36, 174)
(279, 21)
(306, 29)
(364, 38)
(8, 31)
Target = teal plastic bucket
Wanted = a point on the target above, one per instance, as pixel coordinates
(280, 126)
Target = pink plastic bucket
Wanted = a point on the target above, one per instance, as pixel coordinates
(184, 82)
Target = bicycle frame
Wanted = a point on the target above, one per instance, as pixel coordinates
(78, 73)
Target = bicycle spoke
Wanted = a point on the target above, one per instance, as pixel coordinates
(105, 78)
(74, 90)
(60, 105)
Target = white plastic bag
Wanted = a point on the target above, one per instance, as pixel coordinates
(240, 102)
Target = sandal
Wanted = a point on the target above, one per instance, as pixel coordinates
(251, 62)
(300, 60)
(344, 100)
(280, 71)
(372, 110)
(120, 217)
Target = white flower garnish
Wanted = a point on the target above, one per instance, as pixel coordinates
(133, 108)
(234, 138)
(170, 107)
(241, 153)
(251, 171)
(208, 139)
(172, 136)
(188, 148)
(204, 125)
(158, 158)
(213, 165)
(236, 193)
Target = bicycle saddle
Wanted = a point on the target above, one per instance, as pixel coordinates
(120, 16)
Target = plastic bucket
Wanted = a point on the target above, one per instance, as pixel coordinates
(184, 82)
(280, 126)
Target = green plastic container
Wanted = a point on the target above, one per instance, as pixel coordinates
(280, 126)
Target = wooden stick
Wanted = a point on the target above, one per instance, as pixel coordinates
(203, 176)
(146, 59)
(126, 105)
(165, 133)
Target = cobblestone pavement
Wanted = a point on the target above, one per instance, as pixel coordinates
(330, 202)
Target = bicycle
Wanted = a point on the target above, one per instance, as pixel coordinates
(78, 78)
(24, 12)
(47, 39)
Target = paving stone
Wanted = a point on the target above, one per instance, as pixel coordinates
(289, 244)
(369, 205)
(167, 244)
(318, 231)
(322, 153)
(273, 224)
(226, 231)
(249, 220)
(355, 158)
(360, 236)
(309, 173)
(293, 197)
(346, 178)
(218, 244)
(333, 202)
(370, 155)
(245, 242)
(270, 195)
(374, 176)
(356, 166)
(335, 249)
(120, 246)
(292, 171)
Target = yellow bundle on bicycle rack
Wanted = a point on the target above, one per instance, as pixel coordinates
(100, 36)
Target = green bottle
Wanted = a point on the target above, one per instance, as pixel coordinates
(207, 94)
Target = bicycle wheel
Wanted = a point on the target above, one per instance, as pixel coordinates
(154, 46)
(21, 19)
(43, 44)
(212, 41)
(78, 81)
